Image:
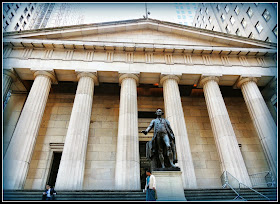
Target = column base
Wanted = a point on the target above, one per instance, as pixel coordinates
(169, 185)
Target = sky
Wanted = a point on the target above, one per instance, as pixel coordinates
(103, 12)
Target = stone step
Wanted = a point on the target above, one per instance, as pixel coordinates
(103, 195)
(228, 194)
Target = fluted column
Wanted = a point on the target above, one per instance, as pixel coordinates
(230, 155)
(174, 113)
(71, 169)
(127, 173)
(262, 119)
(8, 78)
(19, 152)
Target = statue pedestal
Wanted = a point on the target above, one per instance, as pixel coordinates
(169, 186)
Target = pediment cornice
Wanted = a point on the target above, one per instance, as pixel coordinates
(134, 24)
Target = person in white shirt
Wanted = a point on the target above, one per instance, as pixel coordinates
(150, 186)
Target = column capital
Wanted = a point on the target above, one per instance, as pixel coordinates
(243, 79)
(206, 78)
(92, 75)
(10, 73)
(48, 73)
(164, 77)
(123, 76)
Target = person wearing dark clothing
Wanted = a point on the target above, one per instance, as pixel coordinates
(49, 193)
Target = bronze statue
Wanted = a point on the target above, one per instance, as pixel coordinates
(161, 149)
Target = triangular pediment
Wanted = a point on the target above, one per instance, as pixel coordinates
(141, 31)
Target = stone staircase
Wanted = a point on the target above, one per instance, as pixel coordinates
(103, 195)
(229, 195)
(98, 195)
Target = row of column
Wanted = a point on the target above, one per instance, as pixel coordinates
(127, 173)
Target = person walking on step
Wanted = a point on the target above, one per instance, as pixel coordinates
(150, 186)
(49, 193)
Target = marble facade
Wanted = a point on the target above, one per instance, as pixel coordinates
(104, 130)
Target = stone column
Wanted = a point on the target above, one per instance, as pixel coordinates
(70, 174)
(262, 119)
(174, 113)
(230, 155)
(127, 173)
(19, 152)
(8, 78)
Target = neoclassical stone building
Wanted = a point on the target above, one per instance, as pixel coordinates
(80, 95)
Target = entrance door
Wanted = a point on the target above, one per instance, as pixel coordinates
(54, 168)
(144, 163)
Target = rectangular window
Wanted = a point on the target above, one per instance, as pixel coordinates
(6, 25)
(11, 16)
(183, 12)
(232, 20)
(223, 17)
(28, 16)
(243, 22)
(206, 11)
(275, 30)
(210, 19)
(227, 8)
(203, 19)
(266, 15)
(200, 11)
(21, 18)
(228, 29)
(237, 32)
(17, 26)
(32, 9)
(259, 27)
(213, 27)
(236, 10)
(206, 26)
(25, 10)
(24, 24)
(7, 8)
(218, 7)
(251, 36)
(184, 17)
(181, 7)
(250, 12)
(17, 7)
(178, 12)
(267, 39)
(179, 17)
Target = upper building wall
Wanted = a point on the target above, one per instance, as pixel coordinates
(251, 20)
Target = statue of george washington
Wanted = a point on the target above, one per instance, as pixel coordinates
(161, 149)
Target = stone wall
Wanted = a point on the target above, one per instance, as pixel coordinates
(102, 140)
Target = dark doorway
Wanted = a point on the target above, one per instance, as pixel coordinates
(54, 168)
(144, 163)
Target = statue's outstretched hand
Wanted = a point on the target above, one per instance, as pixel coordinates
(145, 132)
